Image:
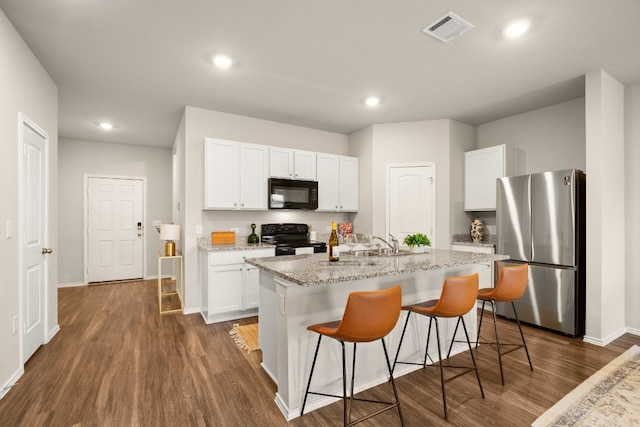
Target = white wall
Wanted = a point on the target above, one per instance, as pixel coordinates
(77, 158)
(24, 87)
(632, 207)
(361, 146)
(463, 138)
(412, 142)
(201, 123)
(558, 129)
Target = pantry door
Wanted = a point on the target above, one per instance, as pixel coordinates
(411, 200)
(115, 233)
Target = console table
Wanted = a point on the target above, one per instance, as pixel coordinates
(177, 280)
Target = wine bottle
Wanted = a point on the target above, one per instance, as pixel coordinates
(334, 251)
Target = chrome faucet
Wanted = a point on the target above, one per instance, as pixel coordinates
(394, 247)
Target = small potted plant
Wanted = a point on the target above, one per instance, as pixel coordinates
(417, 242)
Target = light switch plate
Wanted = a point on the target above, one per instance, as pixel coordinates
(235, 230)
(9, 233)
(199, 230)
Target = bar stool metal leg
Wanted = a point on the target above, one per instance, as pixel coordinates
(526, 350)
(313, 365)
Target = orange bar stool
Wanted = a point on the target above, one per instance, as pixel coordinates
(458, 297)
(512, 284)
(368, 316)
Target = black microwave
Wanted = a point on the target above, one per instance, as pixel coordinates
(293, 194)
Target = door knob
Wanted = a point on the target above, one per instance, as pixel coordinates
(46, 251)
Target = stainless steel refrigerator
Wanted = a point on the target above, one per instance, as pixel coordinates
(540, 220)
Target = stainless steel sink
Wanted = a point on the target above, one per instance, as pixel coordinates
(375, 253)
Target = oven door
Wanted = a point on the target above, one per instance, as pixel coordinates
(293, 194)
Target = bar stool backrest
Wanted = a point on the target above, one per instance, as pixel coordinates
(512, 283)
(370, 315)
(458, 296)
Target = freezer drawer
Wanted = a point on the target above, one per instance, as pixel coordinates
(550, 300)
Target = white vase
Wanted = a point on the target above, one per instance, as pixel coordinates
(416, 249)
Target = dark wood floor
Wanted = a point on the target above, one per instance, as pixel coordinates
(116, 362)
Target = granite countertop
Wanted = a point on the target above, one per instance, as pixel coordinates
(204, 244)
(489, 240)
(313, 270)
(469, 243)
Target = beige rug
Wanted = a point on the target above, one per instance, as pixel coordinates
(610, 397)
(246, 336)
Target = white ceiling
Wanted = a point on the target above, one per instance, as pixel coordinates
(312, 62)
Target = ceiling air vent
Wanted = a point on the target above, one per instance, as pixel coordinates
(447, 27)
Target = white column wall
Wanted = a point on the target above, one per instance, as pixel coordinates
(605, 208)
(632, 207)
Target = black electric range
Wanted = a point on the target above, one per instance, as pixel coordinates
(289, 237)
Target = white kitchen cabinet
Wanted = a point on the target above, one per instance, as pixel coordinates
(481, 249)
(230, 288)
(337, 183)
(481, 169)
(235, 175)
(292, 164)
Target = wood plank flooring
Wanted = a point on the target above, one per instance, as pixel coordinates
(117, 362)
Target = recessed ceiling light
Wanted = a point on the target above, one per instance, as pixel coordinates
(222, 61)
(517, 28)
(372, 101)
(106, 125)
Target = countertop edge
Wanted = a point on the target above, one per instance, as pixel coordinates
(365, 273)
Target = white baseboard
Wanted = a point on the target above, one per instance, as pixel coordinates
(605, 340)
(633, 331)
(52, 334)
(191, 311)
(11, 382)
(71, 285)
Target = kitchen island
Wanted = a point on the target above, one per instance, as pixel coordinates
(297, 291)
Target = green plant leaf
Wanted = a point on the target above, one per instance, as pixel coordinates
(417, 239)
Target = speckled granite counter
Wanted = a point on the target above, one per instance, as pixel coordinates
(480, 244)
(313, 270)
(204, 244)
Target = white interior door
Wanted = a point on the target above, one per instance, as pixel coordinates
(411, 200)
(114, 229)
(34, 251)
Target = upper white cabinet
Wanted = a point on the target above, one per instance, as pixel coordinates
(292, 164)
(235, 175)
(337, 183)
(481, 169)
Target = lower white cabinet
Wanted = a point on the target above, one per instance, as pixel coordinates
(230, 288)
(481, 249)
